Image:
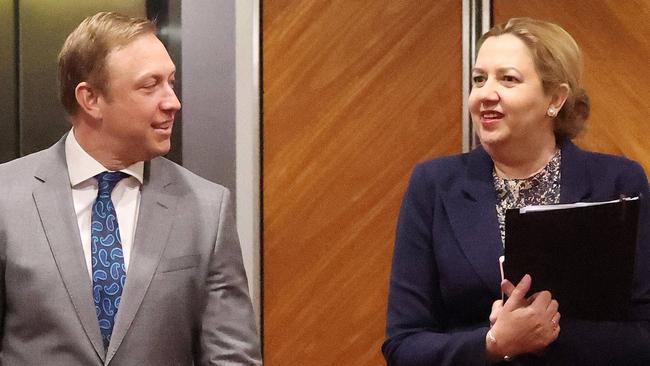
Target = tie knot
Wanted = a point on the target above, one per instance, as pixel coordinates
(106, 181)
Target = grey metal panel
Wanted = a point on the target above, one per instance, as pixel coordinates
(476, 21)
(209, 103)
(248, 144)
(44, 25)
(172, 32)
(8, 102)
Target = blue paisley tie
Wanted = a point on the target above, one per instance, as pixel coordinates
(109, 273)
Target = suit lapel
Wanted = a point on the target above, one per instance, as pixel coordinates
(471, 207)
(576, 182)
(155, 218)
(53, 199)
(472, 214)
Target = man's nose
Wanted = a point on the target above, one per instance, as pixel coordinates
(171, 102)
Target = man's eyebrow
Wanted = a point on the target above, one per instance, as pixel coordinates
(154, 75)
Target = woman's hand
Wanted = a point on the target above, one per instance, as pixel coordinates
(522, 325)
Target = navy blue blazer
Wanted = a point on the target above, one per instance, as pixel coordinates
(445, 273)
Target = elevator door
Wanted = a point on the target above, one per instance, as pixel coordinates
(31, 35)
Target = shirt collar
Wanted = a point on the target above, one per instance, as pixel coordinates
(82, 166)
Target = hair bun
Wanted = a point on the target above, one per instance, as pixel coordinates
(573, 116)
(581, 106)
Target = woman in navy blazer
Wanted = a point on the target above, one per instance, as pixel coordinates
(444, 309)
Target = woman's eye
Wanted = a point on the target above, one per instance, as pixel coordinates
(478, 80)
(510, 79)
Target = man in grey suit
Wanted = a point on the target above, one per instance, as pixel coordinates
(109, 253)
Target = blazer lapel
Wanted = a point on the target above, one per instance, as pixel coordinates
(155, 218)
(472, 214)
(53, 199)
(576, 182)
(471, 207)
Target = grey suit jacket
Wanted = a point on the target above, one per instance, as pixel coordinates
(185, 299)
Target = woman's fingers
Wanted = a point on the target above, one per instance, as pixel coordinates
(516, 295)
(552, 307)
(507, 287)
(540, 300)
(555, 321)
(525, 324)
(496, 309)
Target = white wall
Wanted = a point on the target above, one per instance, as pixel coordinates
(248, 141)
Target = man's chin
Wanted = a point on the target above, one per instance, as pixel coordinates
(153, 151)
(159, 152)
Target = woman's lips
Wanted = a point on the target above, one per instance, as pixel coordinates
(490, 118)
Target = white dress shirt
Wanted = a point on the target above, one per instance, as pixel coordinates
(82, 169)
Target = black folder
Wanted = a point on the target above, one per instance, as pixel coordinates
(583, 254)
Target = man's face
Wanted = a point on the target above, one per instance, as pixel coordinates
(138, 107)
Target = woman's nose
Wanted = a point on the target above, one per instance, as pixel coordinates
(489, 92)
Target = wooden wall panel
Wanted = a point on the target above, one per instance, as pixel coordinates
(354, 94)
(615, 39)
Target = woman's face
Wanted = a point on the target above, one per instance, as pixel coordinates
(507, 102)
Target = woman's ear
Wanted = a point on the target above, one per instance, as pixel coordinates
(88, 99)
(559, 96)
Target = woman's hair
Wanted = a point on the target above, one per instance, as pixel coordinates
(558, 60)
(83, 55)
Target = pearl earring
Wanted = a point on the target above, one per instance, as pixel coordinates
(551, 112)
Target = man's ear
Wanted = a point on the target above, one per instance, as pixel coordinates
(88, 99)
(559, 96)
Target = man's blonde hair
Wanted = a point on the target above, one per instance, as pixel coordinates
(83, 55)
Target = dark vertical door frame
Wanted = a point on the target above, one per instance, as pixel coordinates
(166, 15)
(9, 128)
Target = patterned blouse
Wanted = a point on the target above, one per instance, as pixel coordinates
(543, 188)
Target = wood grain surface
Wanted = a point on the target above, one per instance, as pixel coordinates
(615, 39)
(354, 94)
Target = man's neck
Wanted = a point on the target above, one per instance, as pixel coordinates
(98, 149)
